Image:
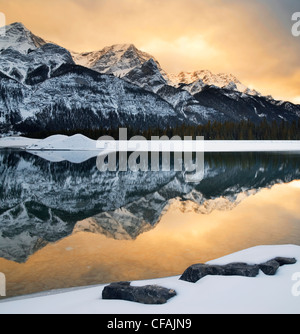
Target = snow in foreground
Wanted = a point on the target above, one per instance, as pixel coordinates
(79, 142)
(212, 294)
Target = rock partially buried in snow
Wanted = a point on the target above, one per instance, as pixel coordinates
(148, 294)
(269, 267)
(197, 271)
(285, 260)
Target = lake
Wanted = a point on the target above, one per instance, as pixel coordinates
(63, 223)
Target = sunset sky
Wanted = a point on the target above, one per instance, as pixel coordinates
(250, 39)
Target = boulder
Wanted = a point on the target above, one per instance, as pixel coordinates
(197, 271)
(269, 267)
(285, 260)
(148, 294)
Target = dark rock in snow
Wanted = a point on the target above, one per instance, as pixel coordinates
(149, 294)
(197, 271)
(285, 260)
(269, 267)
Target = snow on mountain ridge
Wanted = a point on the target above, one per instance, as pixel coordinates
(40, 62)
(42, 86)
(117, 59)
(205, 75)
(28, 58)
(196, 80)
(148, 76)
(18, 37)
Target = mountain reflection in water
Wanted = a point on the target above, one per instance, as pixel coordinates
(64, 224)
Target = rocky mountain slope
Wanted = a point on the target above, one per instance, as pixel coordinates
(118, 59)
(44, 86)
(195, 81)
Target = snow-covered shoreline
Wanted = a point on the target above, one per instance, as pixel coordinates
(81, 143)
(263, 294)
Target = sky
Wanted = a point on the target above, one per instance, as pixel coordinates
(249, 39)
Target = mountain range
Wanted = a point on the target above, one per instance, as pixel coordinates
(44, 86)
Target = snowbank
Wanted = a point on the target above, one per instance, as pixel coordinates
(251, 145)
(212, 294)
(64, 143)
(79, 142)
(17, 142)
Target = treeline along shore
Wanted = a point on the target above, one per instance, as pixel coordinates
(244, 130)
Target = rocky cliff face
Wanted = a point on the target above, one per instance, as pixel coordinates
(78, 98)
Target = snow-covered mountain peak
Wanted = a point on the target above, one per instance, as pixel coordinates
(16, 27)
(196, 80)
(122, 47)
(19, 38)
(205, 75)
(117, 59)
(220, 80)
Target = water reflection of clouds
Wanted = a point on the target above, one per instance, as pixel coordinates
(295, 184)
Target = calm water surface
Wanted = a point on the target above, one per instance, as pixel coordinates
(63, 223)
